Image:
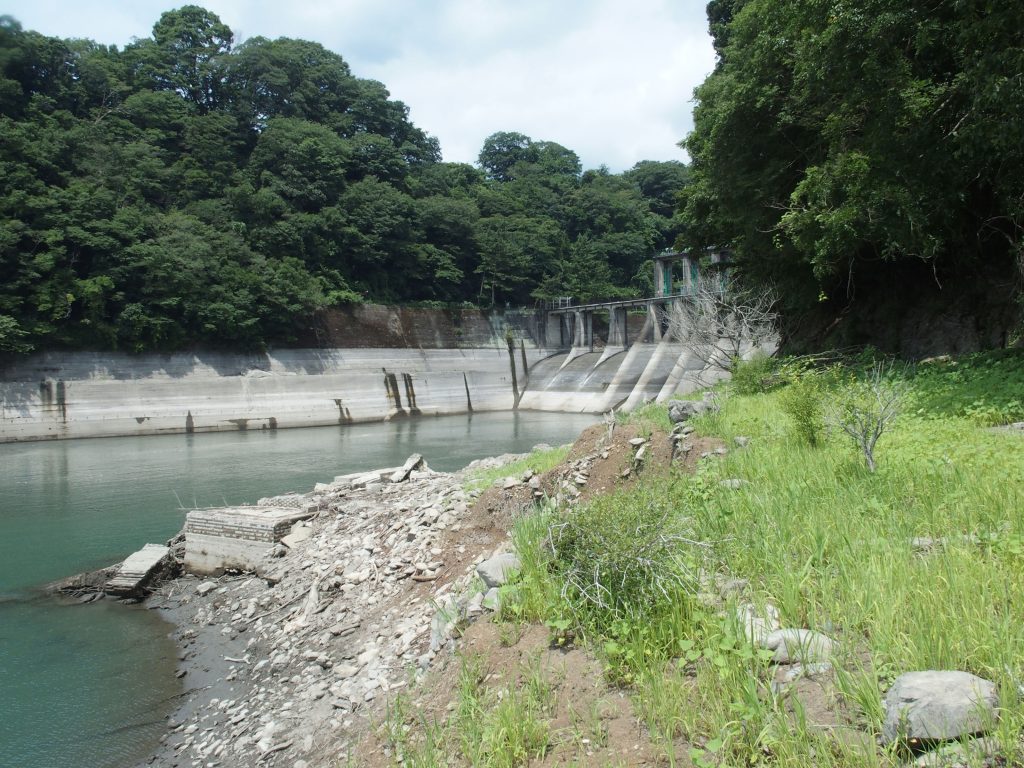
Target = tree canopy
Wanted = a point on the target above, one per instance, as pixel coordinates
(183, 190)
(839, 143)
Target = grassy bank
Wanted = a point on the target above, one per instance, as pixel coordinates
(918, 565)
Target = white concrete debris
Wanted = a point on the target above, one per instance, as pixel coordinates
(327, 630)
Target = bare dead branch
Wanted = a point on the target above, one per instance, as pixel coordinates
(721, 326)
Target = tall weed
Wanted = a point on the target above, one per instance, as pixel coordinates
(756, 375)
(623, 554)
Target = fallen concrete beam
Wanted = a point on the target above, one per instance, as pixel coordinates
(138, 571)
(402, 473)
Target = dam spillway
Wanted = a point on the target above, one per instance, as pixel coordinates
(421, 363)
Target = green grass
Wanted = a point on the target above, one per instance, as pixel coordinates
(831, 545)
(986, 388)
(538, 461)
(813, 532)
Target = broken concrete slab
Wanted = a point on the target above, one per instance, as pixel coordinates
(300, 532)
(138, 571)
(402, 473)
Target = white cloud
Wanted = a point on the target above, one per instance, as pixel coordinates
(609, 79)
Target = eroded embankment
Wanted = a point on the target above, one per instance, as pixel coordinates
(296, 660)
(301, 660)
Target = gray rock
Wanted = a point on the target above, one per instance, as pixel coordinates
(959, 754)
(938, 705)
(733, 483)
(496, 571)
(757, 624)
(734, 587)
(741, 441)
(684, 410)
(798, 645)
(492, 600)
(206, 588)
(443, 624)
(475, 605)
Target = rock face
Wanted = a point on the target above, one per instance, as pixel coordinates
(496, 571)
(798, 645)
(938, 705)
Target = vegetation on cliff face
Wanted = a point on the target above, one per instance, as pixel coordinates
(185, 190)
(849, 150)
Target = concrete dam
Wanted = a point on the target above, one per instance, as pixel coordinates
(379, 363)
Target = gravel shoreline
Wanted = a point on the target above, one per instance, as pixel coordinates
(291, 665)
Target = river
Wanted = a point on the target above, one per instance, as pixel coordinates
(92, 685)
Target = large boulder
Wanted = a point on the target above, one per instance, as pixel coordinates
(938, 705)
(496, 571)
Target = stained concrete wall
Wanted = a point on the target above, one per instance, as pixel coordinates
(51, 396)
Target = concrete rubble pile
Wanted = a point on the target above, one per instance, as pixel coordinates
(347, 610)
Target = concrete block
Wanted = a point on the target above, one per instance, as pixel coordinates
(234, 538)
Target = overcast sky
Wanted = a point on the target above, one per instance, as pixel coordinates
(611, 79)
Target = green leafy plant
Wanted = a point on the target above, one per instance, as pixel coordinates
(803, 400)
(864, 409)
(756, 375)
(563, 634)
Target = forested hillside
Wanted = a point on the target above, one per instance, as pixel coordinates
(182, 190)
(867, 157)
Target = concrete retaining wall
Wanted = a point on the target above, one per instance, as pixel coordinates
(52, 396)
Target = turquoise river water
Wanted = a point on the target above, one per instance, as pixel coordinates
(90, 686)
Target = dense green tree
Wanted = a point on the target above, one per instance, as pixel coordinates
(837, 143)
(502, 151)
(183, 191)
(513, 251)
(291, 78)
(186, 56)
